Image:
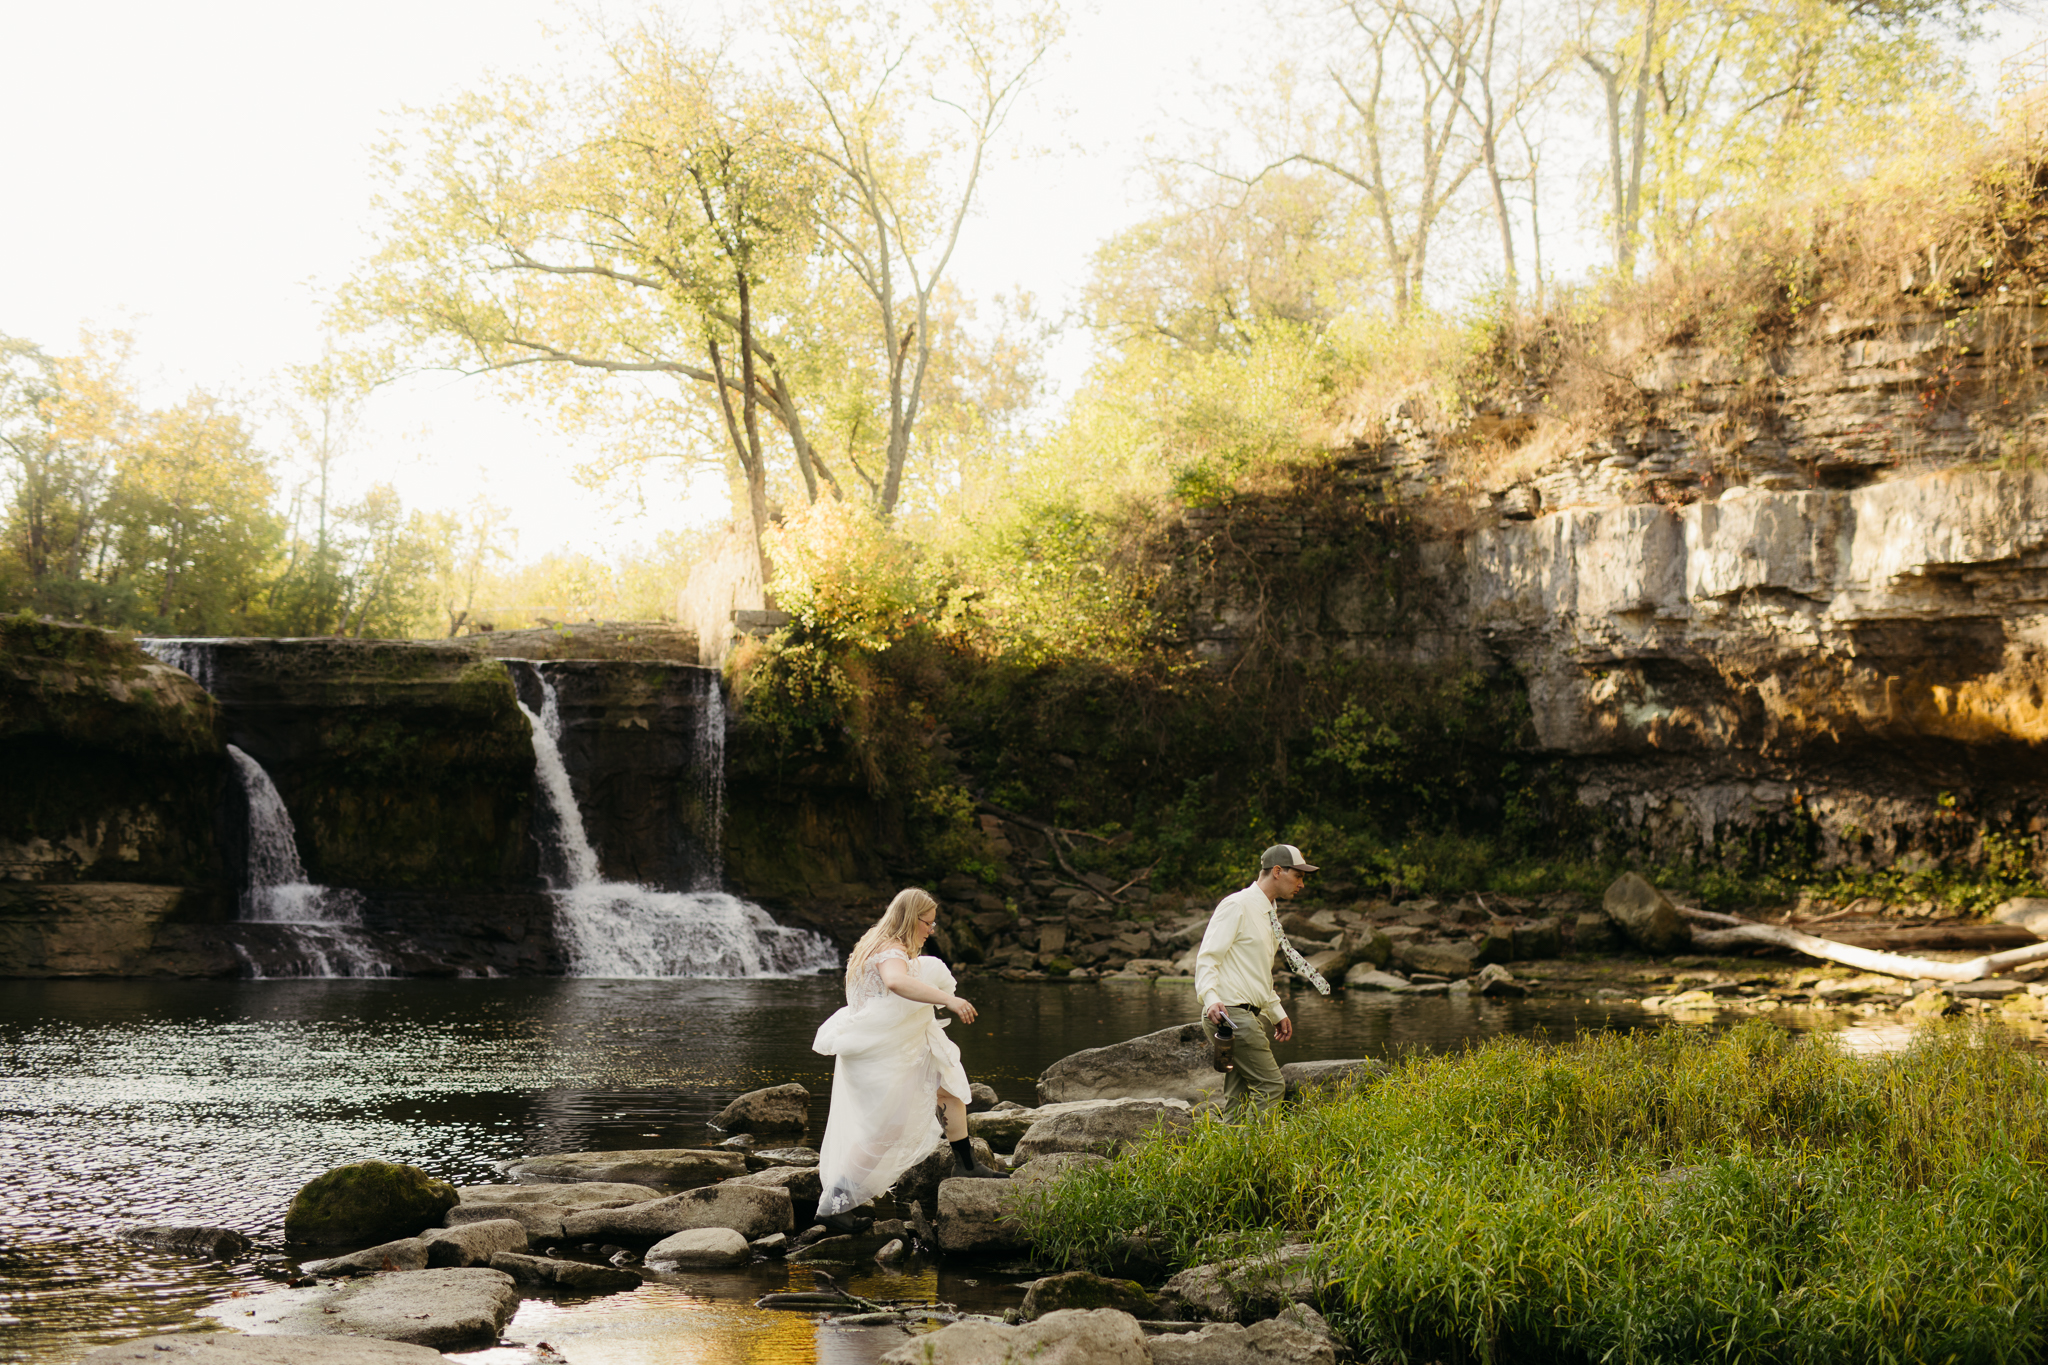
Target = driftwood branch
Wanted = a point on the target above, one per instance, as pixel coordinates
(1868, 959)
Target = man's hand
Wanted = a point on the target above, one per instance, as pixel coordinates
(1214, 1014)
(1283, 1030)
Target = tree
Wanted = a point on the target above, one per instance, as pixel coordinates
(686, 218)
(306, 598)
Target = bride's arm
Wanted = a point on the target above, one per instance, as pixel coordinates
(896, 975)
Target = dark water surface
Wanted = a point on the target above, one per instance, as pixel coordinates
(212, 1102)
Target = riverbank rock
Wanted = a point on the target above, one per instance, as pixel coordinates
(564, 1277)
(445, 1309)
(973, 1218)
(1083, 1289)
(542, 1223)
(2028, 912)
(777, 1109)
(407, 1253)
(366, 1200)
(1646, 916)
(801, 1183)
(586, 1194)
(1454, 958)
(1302, 1077)
(230, 1348)
(782, 1156)
(1102, 1129)
(1366, 977)
(1100, 1336)
(218, 1243)
(920, 1184)
(1276, 1341)
(701, 1249)
(473, 1243)
(750, 1210)
(1253, 1287)
(678, 1168)
(1172, 1063)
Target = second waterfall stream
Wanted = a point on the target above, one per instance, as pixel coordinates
(620, 929)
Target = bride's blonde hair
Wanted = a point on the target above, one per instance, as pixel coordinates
(894, 926)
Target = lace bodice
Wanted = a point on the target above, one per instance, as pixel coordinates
(867, 984)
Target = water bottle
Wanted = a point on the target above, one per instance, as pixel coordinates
(1223, 1044)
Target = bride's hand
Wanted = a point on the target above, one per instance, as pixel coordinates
(961, 1008)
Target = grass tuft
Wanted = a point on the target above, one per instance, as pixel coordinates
(1663, 1196)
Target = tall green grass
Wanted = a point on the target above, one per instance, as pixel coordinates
(1666, 1196)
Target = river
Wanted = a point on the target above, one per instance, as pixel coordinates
(213, 1101)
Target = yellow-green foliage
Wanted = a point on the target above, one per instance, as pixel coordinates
(1633, 1197)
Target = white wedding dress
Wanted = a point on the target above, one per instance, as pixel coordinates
(894, 1058)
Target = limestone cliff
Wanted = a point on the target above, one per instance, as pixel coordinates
(1803, 591)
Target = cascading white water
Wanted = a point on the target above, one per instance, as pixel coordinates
(711, 779)
(324, 924)
(618, 929)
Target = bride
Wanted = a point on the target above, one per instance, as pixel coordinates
(894, 1056)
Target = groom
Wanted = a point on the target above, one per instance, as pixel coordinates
(1234, 975)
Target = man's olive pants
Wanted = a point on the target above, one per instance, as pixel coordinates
(1256, 1079)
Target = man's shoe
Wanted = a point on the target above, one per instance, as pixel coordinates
(974, 1170)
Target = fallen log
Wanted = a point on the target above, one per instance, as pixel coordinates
(1978, 937)
(1746, 935)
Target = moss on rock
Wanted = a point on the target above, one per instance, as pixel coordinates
(367, 1201)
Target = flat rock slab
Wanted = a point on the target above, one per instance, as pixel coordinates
(681, 1168)
(474, 1243)
(565, 1277)
(445, 1309)
(1272, 1342)
(750, 1210)
(407, 1253)
(803, 1183)
(782, 1156)
(1172, 1063)
(701, 1249)
(582, 1194)
(218, 1243)
(541, 1222)
(1102, 1130)
(1100, 1336)
(1003, 1129)
(232, 1348)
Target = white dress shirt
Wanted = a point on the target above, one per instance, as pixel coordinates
(1234, 965)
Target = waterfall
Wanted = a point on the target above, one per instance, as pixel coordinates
(322, 926)
(711, 779)
(618, 929)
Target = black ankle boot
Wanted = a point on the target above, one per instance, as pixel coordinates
(847, 1224)
(967, 1166)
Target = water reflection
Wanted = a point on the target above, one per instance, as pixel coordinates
(212, 1102)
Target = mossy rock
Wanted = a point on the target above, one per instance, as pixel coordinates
(367, 1201)
(1081, 1289)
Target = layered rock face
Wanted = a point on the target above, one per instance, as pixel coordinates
(1795, 595)
(114, 778)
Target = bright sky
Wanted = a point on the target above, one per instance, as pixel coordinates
(198, 172)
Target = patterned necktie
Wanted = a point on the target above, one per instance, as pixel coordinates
(1301, 967)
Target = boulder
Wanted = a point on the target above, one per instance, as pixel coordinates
(1077, 1336)
(777, 1109)
(367, 1200)
(920, 1184)
(802, 1182)
(1041, 1170)
(1367, 944)
(1494, 979)
(782, 1156)
(542, 1222)
(1330, 964)
(218, 1243)
(1083, 1289)
(591, 1194)
(1331, 1076)
(2028, 912)
(1454, 958)
(1102, 1129)
(1366, 977)
(981, 1097)
(564, 1277)
(750, 1210)
(678, 1168)
(1172, 1063)
(230, 1348)
(1593, 932)
(701, 1249)
(1256, 1286)
(973, 1218)
(1540, 940)
(407, 1253)
(474, 1243)
(445, 1309)
(1645, 916)
(1273, 1342)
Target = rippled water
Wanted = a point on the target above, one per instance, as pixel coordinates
(212, 1102)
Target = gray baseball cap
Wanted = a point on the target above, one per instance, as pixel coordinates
(1285, 855)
